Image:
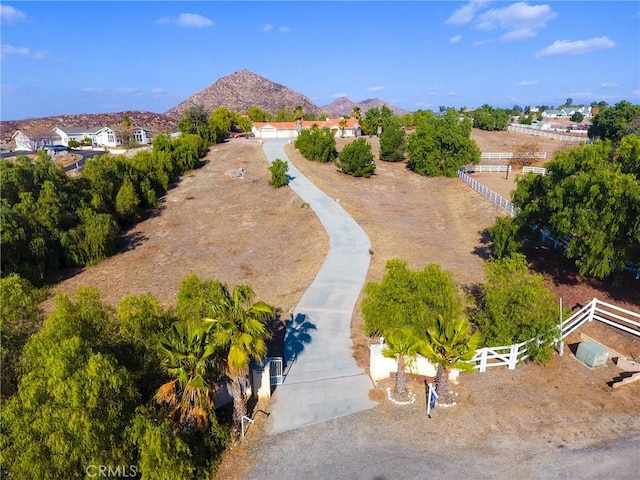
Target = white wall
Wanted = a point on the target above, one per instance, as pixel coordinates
(381, 367)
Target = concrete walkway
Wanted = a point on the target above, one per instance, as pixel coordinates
(322, 379)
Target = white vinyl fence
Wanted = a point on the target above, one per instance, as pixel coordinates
(507, 155)
(538, 170)
(487, 168)
(543, 133)
(498, 200)
(511, 355)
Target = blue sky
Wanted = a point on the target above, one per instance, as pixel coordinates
(93, 57)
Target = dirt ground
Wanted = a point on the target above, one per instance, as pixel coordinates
(243, 230)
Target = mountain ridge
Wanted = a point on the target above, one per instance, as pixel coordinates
(237, 91)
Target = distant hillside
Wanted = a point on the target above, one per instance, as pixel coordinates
(344, 106)
(241, 90)
(156, 122)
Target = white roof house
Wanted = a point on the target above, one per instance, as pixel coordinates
(101, 136)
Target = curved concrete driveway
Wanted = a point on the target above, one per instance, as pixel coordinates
(322, 378)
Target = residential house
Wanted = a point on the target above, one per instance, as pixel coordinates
(101, 136)
(290, 129)
(567, 112)
(30, 140)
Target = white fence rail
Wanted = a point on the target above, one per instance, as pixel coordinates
(487, 168)
(607, 313)
(498, 200)
(543, 133)
(538, 170)
(507, 155)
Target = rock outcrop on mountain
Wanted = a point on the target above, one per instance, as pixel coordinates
(241, 90)
(344, 106)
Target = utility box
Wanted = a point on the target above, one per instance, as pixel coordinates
(592, 354)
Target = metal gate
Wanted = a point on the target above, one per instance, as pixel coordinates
(275, 370)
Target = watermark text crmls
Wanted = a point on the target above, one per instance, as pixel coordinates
(111, 471)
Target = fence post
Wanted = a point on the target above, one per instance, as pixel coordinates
(483, 360)
(513, 356)
(592, 310)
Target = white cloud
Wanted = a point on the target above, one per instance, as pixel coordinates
(338, 95)
(479, 43)
(434, 90)
(91, 90)
(521, 20)
(577, 47)
(423, 104)
(466, 13)
(376, 88)
(11, 15)
(267, 27)
(528, 83)
(455, 39)
(190, 20)
(609, 85)
(9, 50)
(451, 94)
(158, 91)
(636, 93)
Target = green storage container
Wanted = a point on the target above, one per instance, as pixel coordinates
(592, 354)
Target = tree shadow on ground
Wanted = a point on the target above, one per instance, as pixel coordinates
(484, 249)
(132, 240)
(297, 337)
(620, 286)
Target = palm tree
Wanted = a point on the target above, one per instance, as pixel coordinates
(402, 344)
(342, 124)
(298, 116)
(357, 115)
(449, 344)
(188, 357)
(240, 331)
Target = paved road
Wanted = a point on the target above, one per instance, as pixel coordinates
(322, 379)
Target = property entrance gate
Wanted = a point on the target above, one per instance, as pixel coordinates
(275, 370)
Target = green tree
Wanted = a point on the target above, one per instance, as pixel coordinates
(195, 296)
(489, 118)
(449, 344)
(239, 330)
(256, 114)
(577, 117)
(412, 298)
(356, 114)
(195, 121)
(441, 145)
(589, 201)
(517, 307)
(221, 121)
(188, 358)
(20, 317)
(298, 116)
(356, 159)
(403, 345)
(127, 202)
(392, 143)
(74, 400)
(316, 144)
(613, 123)
(279, 169)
